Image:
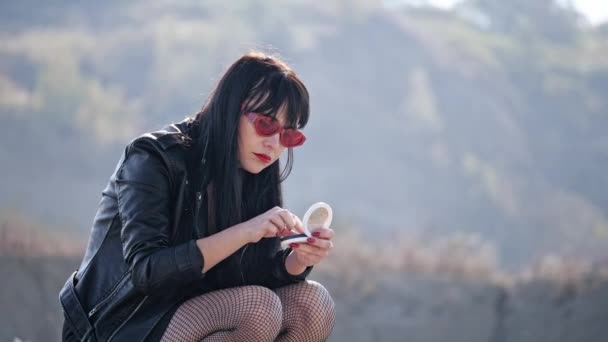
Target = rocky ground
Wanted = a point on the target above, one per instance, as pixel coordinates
(392, 307)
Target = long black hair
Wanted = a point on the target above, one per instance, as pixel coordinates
(255, 82)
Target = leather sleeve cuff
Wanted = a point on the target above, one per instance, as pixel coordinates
(189, 260)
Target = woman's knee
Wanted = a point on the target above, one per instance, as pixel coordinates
(263, 307)
(327, 302)
(315, 302)
(310, 302)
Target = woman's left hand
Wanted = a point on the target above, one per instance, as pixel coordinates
(315, 249)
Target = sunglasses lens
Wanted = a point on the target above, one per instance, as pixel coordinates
(292, 138)
(266, 126)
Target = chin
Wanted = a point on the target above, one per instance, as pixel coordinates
(253, 169)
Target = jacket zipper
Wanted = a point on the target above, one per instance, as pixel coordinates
(128, 318)
(109, 297)
(199, 198)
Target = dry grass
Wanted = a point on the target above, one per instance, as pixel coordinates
(358, 263)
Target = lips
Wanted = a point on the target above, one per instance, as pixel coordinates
(263, 157)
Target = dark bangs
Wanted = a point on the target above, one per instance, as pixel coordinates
(275, 91)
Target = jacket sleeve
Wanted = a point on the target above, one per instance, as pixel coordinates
(144, 192)
(275, 264)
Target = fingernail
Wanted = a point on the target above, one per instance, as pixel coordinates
(317, 234)
(311, 240)
(293, 245)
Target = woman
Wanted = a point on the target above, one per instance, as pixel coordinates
(184, 246)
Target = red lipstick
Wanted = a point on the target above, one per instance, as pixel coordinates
(263, 157)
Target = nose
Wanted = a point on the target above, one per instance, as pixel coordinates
(273, 141)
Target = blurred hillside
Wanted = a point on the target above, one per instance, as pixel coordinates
(488, 120)
(429, 292)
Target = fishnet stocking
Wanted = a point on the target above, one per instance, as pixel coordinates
(308, 312)
(298, 312)
(247, 313)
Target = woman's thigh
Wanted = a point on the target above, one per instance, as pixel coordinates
(239, 313)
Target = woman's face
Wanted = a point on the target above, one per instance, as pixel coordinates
(257, 152)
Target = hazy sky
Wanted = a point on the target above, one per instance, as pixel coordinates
(595, 10)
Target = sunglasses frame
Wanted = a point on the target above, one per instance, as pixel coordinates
(255, 117)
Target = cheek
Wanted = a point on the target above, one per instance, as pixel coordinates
(244, 134)
(279, 153)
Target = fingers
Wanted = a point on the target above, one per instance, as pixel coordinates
(277, 222)
(307, 258)
(320, 243)
(323, 233)
(316, 246)
(298, 225)
(287, 218)
(284, 219)
(285, 232)
(316, 255)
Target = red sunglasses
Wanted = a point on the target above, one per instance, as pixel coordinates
(266, 126)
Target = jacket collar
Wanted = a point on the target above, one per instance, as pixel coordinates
(173, 134)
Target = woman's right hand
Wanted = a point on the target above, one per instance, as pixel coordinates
(275, 222)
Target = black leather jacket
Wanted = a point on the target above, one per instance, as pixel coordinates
(142, 259)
